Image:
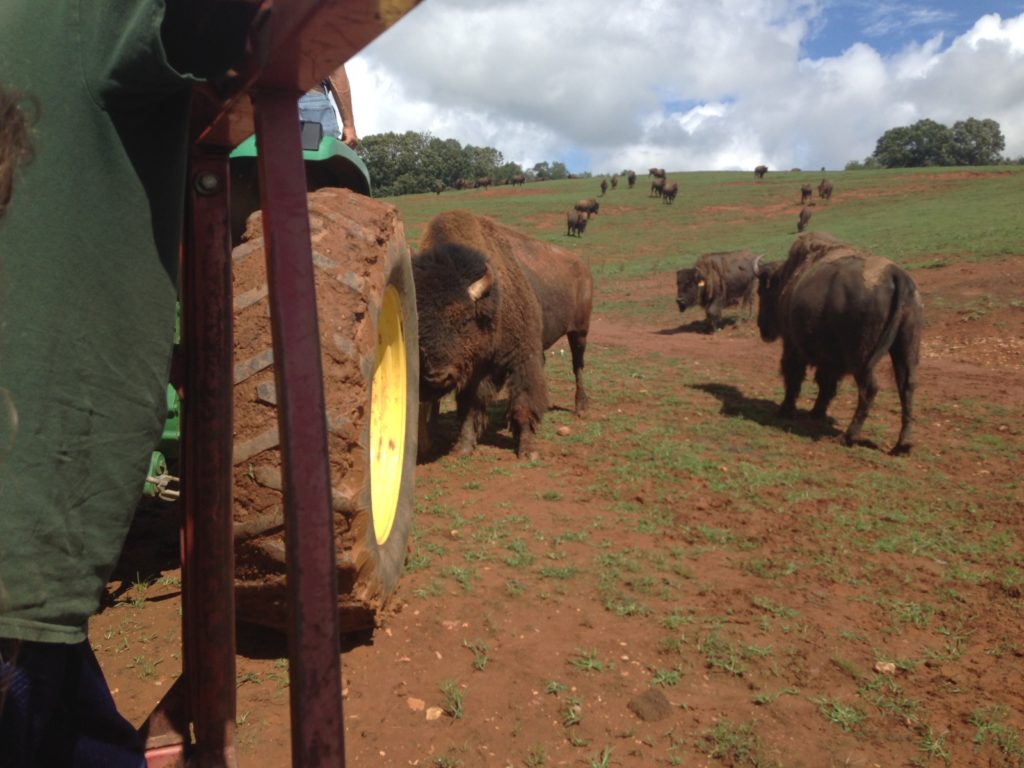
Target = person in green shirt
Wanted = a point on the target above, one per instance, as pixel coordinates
(89, 245)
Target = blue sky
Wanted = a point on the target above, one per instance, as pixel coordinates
(604, 85)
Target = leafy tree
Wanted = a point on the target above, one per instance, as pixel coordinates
(977, 142)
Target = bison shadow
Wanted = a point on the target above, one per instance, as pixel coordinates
(766, 413)
(700, 326)
(445, 433)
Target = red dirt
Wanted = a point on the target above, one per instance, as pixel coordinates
(392, 678)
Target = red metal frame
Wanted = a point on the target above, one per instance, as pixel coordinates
(292, 44)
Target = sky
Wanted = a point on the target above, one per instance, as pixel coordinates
(690, 85)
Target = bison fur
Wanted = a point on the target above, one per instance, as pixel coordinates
(716, 281)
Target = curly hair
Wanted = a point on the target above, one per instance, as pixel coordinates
(15, 139)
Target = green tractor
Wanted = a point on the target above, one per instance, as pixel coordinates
(369, 344)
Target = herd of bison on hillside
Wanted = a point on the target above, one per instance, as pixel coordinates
(490, 300)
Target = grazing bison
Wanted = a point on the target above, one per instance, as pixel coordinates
(615, 182)
(631, 178)
(588, 206)
(805, 193)
(760, 171)
(490, 301)
(669, 191)
(483, 181)
(825, 189)
(658, 173)
(840, 311)
(604, 186)
(657, 186)
(805, 216)
(576, 223)
(716, 281)
(518, 179)
(461, 184)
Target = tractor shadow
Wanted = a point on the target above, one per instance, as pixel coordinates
(766, 413)
(444, 433)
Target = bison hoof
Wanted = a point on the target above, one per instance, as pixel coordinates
(847, 439)
(901, 449)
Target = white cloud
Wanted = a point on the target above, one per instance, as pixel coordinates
(685, 86)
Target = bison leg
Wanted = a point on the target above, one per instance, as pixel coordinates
(904, 354)
(427, 421)
(793, 371)
(472, 412)
(827, 382)
(578, 346)
(867, 388)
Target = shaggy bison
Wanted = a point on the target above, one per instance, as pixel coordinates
(805, 216)
(490, 301)
(805, 194)
(657, 186)
(669, 192)
(518, 179)
(483, 181)
(631, 178)
(438, 187)
(576, 223)
(840, 310)
(760, 171)
(588, 206)
(716, 281)
(604, 186)
(825, 189)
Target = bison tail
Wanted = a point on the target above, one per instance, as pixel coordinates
(904, 292)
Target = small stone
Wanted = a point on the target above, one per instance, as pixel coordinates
(434, 713)
(650, 706)
(563, 431)
(885, 668)
(416, 705)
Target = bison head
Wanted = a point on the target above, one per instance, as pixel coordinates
(689, 284)
(457, 300)
(769, 286)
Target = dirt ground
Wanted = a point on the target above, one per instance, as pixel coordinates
(482, 662)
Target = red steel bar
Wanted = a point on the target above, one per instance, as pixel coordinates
(315, 684)
(208, 563)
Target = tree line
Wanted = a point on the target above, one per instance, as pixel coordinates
(929, 143)
(411, 162)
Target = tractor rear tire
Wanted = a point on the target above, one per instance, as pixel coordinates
(366, 311)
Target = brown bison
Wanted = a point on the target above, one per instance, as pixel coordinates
(658, 173)
(604, 186)
(438, 187)
(805, 194)
(615, 182)
(669, 192)
(483, 181)
(805, 216)
(576, 223)
(840, 311)
(631, 179)
(716, 281)
(518, 180)
(461, 184)
(825, 189)
(657, 186)
(760, 171)
(588, 206)
(490, 301)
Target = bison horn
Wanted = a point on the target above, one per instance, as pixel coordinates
(481, 287)
(757, 260)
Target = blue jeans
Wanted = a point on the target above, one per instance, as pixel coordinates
(56, 710)
(317, 107)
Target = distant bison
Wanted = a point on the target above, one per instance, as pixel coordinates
(588, 206)
(825, 189)
(631, 178)
(658, 173)
(760, 171)
(805, 216)
(716, 281)
(461, 184)
(840, 311)
(805, 193)
(657, 186)
(518, 180)
(483, 181)
(490, 300)
(604, 186)
(576, 223)
(438, 187)
(669, 192)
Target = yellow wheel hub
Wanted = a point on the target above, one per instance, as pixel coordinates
(388, 416)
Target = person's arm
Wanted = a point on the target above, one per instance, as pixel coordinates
(342, 92)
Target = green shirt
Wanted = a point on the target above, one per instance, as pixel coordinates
(88, 273)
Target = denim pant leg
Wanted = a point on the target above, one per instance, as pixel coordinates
(317, 107)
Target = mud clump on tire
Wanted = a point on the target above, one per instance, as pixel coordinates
(359, 255)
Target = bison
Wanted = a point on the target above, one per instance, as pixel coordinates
(805, 216)
(805, 193)
(615, 182)
(760, 171)
(483, 181)
(631, 178)
(576, 223)
(669, 191)
(825, 189)
(438, 187)
(518, 179)
(840, 311)
(658, 173)
(588, 206)
(604, 186)
(716, 281)
(490, 301)
(657, 186)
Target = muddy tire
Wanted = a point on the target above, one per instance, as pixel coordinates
(366, 310)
